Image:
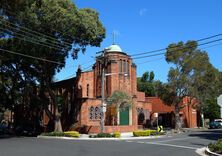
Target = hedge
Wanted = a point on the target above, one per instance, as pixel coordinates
(144, 133)
(116, 134)
(106, 135)
(73, 134)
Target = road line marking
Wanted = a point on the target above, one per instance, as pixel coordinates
(140, 142)
(175, 139)
(128, 141)
(179, 146)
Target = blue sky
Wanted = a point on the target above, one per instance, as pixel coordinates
(144, 25)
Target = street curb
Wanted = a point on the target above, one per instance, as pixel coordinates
(99, 139)
(208, 152)
(201, 151)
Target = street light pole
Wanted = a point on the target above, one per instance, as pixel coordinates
(103, 100)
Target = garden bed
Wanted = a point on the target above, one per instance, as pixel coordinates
(73, 134)
(216, 147)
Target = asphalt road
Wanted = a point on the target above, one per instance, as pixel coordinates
(173, 145)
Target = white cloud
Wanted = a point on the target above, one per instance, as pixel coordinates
(142, 11)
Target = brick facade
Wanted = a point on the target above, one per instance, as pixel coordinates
(120, 75)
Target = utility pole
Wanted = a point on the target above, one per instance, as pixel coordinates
(103, 105)
(103, 100)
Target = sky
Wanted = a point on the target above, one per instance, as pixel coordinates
(142, 26)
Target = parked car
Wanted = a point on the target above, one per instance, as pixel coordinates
(3, 129)
(25, 131)
(215, 124)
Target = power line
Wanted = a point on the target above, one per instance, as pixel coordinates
(164, 57)
(148, 56)
(212, 46)
(42, 59)
(23, 37)
(70, 76)
(35, 32)
(176, 49)
(27, 19)
(163, 49)
(51, 43)
(151, 60)
(29, 56)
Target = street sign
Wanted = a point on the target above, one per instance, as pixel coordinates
(103, 109)
(219, 100)
(160, 128)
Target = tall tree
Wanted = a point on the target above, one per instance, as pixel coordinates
(188, 63)
(47, 29)
(204, 83)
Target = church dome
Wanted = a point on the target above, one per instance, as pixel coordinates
(114, 48)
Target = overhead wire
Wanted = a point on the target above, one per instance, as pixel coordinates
(27, 19)
(33, 57)
(141, 57)
(52, 39)
(163, 49)
(29, 39)
(164, 57)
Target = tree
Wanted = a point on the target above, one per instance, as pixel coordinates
(204, 83)
(187, 63)
(145, 77)
(48, 29)
(120, 99)
(211, 109)
(146, 84)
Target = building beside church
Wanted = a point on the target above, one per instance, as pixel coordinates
(83, 93)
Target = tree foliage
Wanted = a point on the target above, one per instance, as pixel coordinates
(48, 29)
(146, 83)
(120, 99)
(190, 76)
(211, 109)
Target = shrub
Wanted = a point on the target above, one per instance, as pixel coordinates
(102, 135)
(216, 147)
(144, 133)
(74, 134)
(116, 134)
(63, 134)
(59, 134)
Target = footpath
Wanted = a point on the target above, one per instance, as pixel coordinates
(124, 136)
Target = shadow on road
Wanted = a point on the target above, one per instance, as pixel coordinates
(208, 134)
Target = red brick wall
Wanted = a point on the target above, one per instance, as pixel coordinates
(188, 113)
(84, 115)
(86, 78)
(118, 81)
(140, 96)
(158, 105)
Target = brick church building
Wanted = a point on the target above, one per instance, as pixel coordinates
(82, 96)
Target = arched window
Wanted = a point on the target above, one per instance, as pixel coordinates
(120, 65)
(124, 66)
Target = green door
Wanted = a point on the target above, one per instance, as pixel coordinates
(124, 116)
